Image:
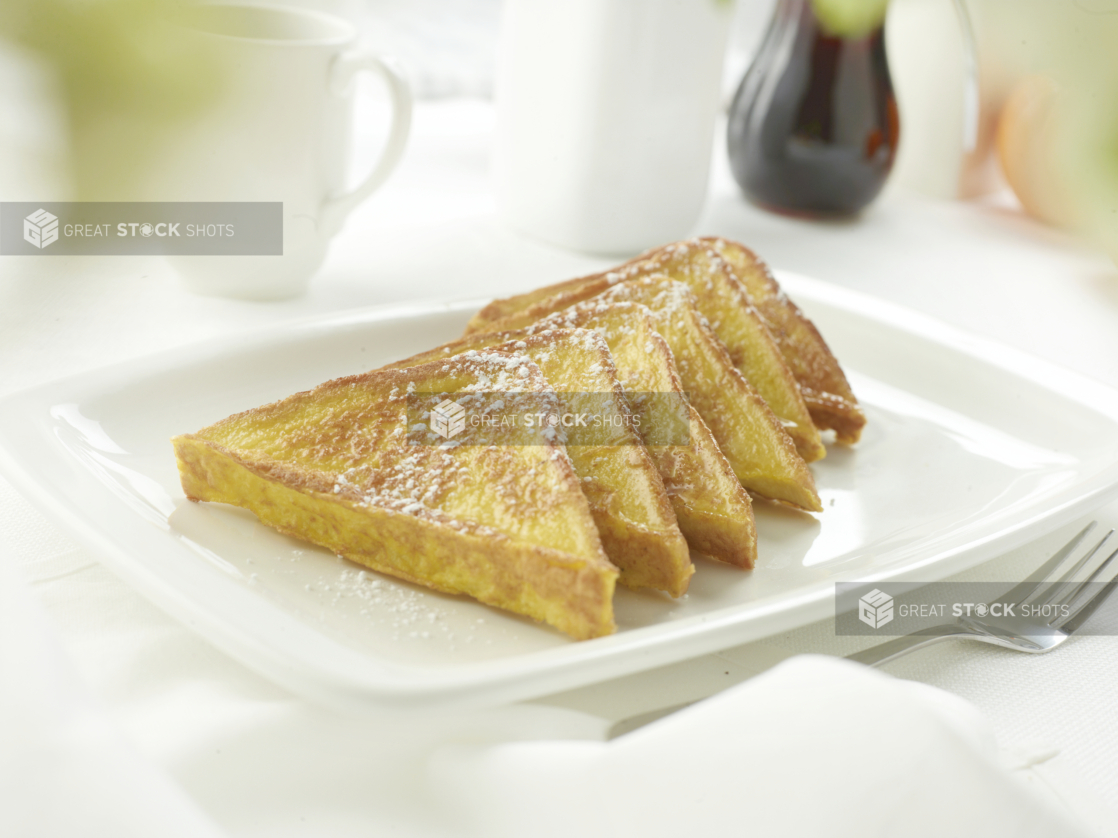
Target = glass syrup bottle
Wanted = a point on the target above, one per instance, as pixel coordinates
(813, 127)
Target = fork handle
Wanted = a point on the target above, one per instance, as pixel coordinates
(891, 649)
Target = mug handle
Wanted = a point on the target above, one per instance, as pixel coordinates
(336, 207)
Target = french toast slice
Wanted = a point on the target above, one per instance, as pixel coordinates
(714, 511)
(723, 301)
(340, 466)
(822, 382)
(627, 497)
(760, 451)
(756, 445)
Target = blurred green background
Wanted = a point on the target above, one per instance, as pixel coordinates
(126, 74)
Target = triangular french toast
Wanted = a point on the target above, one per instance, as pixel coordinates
(763, 456)
(822, 382)
(712, 509)
(622, 485)
(340, 466)
(759, 450)
(724, 302)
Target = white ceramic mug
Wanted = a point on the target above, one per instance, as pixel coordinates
(282, 131)
(606, 111)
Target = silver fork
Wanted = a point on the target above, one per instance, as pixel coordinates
(1043, 587)
(1044, 590)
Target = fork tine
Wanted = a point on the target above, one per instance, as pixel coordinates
(1067, 597)
(1081, 613)
(1038, 577)
(1057, 593)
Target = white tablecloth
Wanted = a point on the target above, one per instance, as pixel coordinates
(253, 760)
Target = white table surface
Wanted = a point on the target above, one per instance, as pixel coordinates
(260, 762)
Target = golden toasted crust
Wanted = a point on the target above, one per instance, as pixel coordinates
(713, 510)
(522, 311)
(754, 441)
(631, 508)
(507, 525)
(720, 297)
(725, 303)
(822, 382)
(500, 309)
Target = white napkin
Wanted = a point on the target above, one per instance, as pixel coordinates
(815, 747)
(64, 768)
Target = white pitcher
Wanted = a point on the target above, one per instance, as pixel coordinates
(606, 113)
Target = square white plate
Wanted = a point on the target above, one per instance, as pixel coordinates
(971, 449)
